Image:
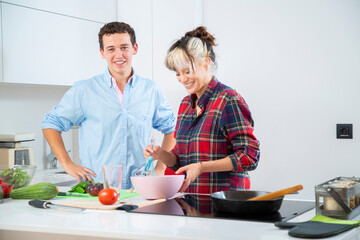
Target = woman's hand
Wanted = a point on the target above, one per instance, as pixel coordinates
(154, 152)
(192, 172)
(164, 157)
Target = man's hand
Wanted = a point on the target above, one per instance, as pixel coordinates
(78, 172)
(56, 143)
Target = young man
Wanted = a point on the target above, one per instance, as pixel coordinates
(115, 112)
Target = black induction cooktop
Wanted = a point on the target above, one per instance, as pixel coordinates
(202, 206)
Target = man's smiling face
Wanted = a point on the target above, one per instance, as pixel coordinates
(118, 52)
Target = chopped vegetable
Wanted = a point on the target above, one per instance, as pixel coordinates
(80, 187)
(15, 177)
(94, 188)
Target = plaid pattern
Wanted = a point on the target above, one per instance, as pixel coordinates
(223, 128)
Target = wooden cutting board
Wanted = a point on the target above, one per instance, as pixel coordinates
(95, 204)
(91, 204)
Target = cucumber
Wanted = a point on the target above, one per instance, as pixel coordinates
(37, 191)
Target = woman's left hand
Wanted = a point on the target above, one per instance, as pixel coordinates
(192, 172)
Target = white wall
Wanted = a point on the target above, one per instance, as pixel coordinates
(295, 62)
(297, 65)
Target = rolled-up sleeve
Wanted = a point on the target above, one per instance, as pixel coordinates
(164, 118)
(237, 125)
(67, 113)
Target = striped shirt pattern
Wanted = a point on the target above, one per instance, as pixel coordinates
(224, 127)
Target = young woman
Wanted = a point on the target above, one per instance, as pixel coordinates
(215, 145)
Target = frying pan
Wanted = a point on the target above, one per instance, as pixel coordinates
(236, 202)
(246, 203)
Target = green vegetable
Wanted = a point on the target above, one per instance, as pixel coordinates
(80, 190)
(36, 191)
(80, 187)
(15, 177)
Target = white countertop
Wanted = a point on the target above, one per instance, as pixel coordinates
(18, 220)
(54, 176)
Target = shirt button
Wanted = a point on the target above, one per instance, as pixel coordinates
(124, 127)
(124, 110)
(123, 144)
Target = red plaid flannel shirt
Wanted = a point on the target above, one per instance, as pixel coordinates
(223, 128)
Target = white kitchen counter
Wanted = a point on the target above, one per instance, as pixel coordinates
(18, 220)
(55, 176)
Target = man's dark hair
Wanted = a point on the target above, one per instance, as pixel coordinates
(116, 27)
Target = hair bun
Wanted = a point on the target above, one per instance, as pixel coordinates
(202, 33)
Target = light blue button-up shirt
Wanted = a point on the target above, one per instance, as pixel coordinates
(111, 133)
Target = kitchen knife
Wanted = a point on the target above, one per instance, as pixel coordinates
(71, 194)
(46, 204)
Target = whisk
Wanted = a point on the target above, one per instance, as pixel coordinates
(149, 167)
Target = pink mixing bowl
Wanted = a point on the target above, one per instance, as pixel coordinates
(155, 187)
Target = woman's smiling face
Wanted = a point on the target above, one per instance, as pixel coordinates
(194, 80)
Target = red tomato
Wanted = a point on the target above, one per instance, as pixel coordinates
(108, 196)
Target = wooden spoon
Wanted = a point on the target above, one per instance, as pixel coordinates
(277, 194)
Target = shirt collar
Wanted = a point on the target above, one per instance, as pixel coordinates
(205, 97)
(109, 82)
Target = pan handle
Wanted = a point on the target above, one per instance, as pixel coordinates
(277, 194)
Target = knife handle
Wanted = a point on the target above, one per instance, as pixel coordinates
(39, 203)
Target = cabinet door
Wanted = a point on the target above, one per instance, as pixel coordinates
(141, 21)
(95, 10)
(46, 48)
(171, 20)
(1, 58)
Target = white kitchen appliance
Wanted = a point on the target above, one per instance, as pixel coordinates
(12, 152)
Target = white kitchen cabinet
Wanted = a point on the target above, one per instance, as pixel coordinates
(95, 10)
(171, 20)
(40, 47)
(141, 21)
(1, 59)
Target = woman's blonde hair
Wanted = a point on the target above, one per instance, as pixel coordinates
(195, 46)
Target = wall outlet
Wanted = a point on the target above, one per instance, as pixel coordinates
(344, 131)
